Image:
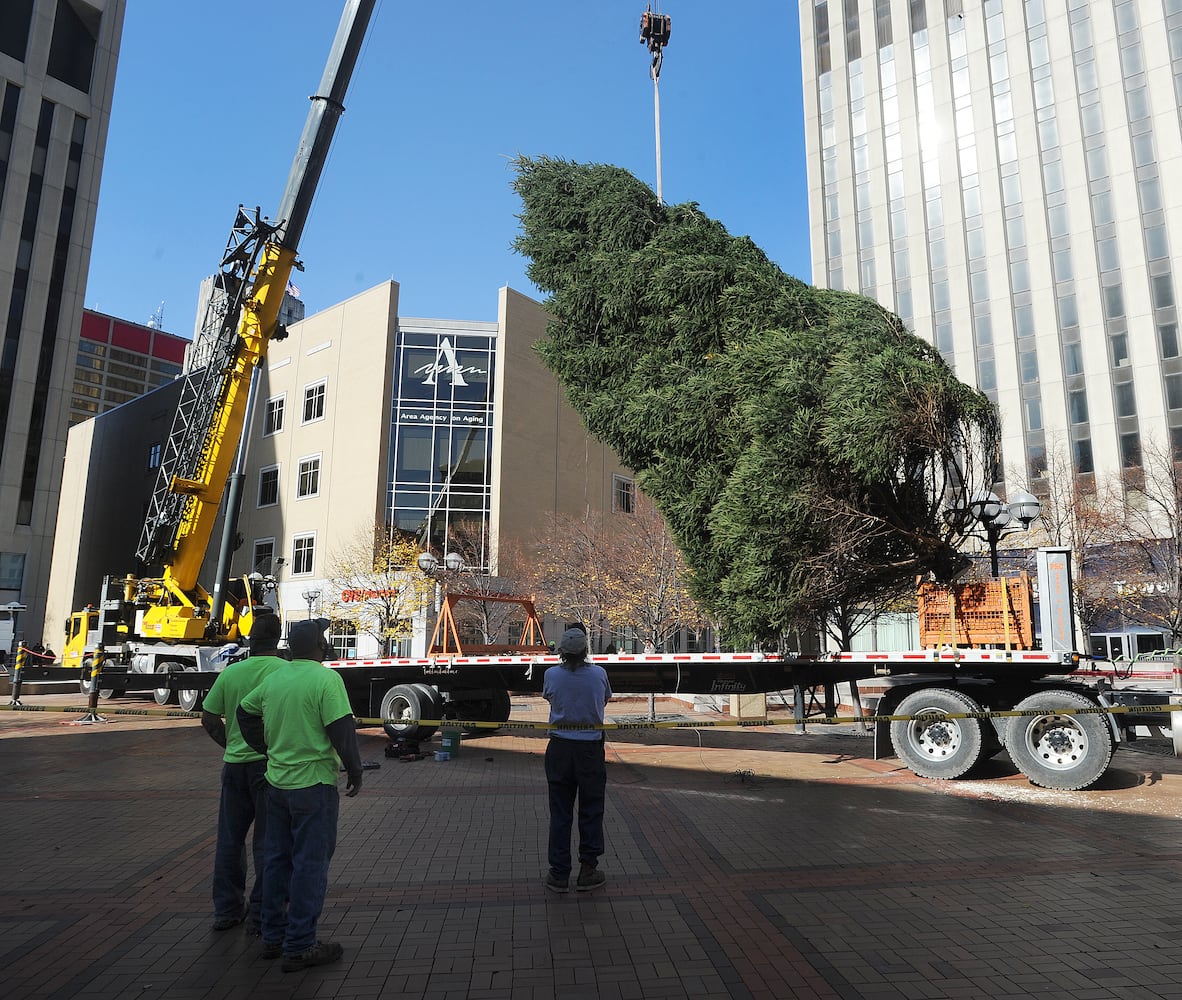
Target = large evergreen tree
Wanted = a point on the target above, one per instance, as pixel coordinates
(805, 448)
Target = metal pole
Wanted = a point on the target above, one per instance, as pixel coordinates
(96, 670)
(17, 670)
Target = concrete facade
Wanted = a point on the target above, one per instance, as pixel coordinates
(57, 76)
(999, 175)
(345, 404)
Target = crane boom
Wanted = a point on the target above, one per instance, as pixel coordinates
(204, 445)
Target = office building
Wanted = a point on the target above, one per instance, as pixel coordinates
(57, 75)
(119, 361)
(999, 175)
(364, 418)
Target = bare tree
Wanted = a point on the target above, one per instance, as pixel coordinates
(621, 574)
(1151, 566)
(1084, 516)
(377, 586)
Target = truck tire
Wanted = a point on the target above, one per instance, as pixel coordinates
(495, 708)
(938, 747)
(1066, 752)
(163, 695)
(84, 682)
(190, 700)
(402, 708)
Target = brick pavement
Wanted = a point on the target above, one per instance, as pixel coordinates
(741, 863)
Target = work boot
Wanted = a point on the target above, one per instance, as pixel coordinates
(321, 953)
(224, 922)
(589, 878)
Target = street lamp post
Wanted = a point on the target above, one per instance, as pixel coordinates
(311, 595)
(998, 519)
(437, 570)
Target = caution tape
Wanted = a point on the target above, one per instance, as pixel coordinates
(512, 724)
(163, 713)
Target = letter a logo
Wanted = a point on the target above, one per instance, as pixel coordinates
(446, 353)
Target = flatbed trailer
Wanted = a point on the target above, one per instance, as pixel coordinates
(942, 712)
(947, 704)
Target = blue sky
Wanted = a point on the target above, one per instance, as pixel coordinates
(210, 99)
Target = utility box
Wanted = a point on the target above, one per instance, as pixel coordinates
(984, 613)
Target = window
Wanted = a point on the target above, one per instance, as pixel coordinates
(1130, 450)
(314, 396)
(71, 49)
(264, 557)
(154, 453)
(303, 554)
(273, 417)
(269, 486)
(1077, 406)
(342, 633)
(1126, 399)
(16, 16)
(308, 481)
(622, 495)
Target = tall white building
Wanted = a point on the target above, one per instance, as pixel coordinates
(57, 76)
(1005, 176)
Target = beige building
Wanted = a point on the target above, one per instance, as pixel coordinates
(363, 418)
(57, 75)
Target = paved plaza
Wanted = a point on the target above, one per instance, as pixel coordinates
(741, 863)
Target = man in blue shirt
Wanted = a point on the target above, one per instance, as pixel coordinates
(578, 692)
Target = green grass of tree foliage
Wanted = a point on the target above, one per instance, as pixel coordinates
(804, 447)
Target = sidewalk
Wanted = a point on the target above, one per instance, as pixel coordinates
(741, 863)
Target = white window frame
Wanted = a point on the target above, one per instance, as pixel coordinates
(258, 498)
(307, 461)
(254, 561)
(623, 486)
(309, 392)
(296, 540)
(281, 409)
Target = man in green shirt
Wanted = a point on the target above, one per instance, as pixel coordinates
(301, 718)
(243, 798)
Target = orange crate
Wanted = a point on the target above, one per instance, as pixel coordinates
(986, 613)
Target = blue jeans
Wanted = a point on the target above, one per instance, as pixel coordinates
(301, 839)
(243, 803)
(575, 769)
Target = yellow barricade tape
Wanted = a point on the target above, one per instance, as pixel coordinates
(821, 720)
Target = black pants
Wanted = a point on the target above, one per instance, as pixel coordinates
(575, 769)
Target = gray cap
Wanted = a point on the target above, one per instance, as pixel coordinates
(573, 642)
(306, 639)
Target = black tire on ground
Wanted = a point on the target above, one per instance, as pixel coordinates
(939, 747)
(493, 709)
(162, 696)
(190, 700)
(402, 708)
(432, 701)
(1066, 752)
(84, 682)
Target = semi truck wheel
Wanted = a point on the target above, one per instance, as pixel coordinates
(494, 708)
(84, 682)
(402, 708)
(938, 747)
(1067, 752)
(190, 700)
(162, 696)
